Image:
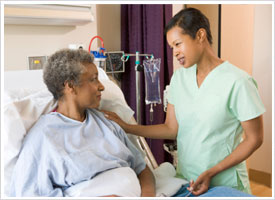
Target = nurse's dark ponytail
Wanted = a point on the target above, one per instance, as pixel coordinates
(190, 20)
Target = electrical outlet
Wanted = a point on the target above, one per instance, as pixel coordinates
(80, 46)
(76, 46)
(36, 62)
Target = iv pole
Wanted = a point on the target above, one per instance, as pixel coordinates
(138, 69)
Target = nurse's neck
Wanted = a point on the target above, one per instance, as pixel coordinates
(207, 62)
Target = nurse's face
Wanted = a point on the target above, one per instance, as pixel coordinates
(89, 89)
(186, 49)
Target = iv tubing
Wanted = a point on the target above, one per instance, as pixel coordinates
(102, 44)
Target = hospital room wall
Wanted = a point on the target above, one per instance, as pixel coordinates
(262, 72)
(246, 36)
(42, 40)
(21, 41)
(108, 25)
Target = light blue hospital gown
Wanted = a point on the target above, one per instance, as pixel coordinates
(59, 152)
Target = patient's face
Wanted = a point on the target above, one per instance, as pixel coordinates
(89, 89)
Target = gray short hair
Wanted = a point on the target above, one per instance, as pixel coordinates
(64, 66)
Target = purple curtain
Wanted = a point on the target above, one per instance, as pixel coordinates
(142, 30)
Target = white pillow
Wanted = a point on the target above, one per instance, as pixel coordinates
(121, 181)
(101, 74)
(19, 117)
(113, 100)
(166, 182)
(124, 182)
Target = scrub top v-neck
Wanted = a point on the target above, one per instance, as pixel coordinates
(209, 119)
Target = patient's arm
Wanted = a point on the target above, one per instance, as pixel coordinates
(145, 176)
(147, 183)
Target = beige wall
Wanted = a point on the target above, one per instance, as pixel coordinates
(176, 8)
(246, 42)
(21, 41)
(237, 35)
(108, 25)
(211, 11)
(262, 72)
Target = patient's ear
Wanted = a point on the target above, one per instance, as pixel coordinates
(69, 87)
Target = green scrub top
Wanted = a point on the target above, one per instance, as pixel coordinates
(209, 119)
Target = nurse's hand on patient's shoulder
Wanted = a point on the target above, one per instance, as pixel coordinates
(201, 185)
(113, 116)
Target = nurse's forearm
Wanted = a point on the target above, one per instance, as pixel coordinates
(160, 131)
(253, 139)
(167, 130)
(241, 153)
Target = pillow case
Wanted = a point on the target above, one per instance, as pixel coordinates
(113, 100)
(121, 181)
(19, 116)
(166, 183)
(124, 182)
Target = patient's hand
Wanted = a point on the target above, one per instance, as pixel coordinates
(147, 183)
(148, 194)
(113, 116)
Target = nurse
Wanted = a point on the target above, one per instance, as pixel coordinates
(212, 104)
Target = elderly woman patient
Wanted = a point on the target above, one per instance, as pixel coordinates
(76, 142)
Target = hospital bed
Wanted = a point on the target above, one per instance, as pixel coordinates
(26, 98)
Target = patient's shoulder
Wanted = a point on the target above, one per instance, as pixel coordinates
(95, 112)
(32, 141)
(117, 130)
(37, 131)
(100, 115)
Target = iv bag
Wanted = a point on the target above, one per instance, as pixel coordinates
(152, 80)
